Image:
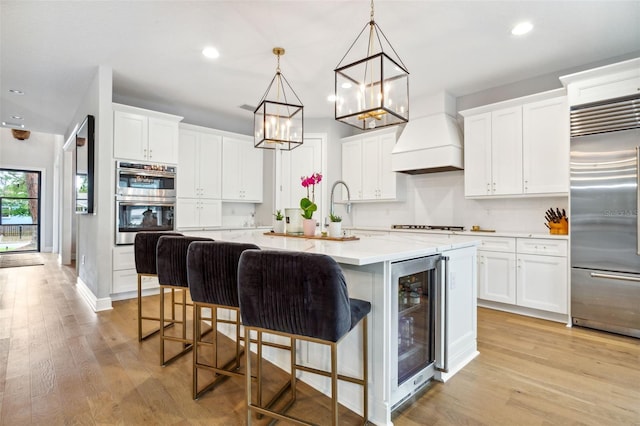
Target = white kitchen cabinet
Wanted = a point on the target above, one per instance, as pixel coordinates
(497, 276)
(241, 170)
(524, 272)
(517, 147)
(493, 153)
(542, 282)
(142, 135)
(198, 213)
(542, 274)
(124, 275)
(607, 82)
(199, 164)
(545, 146)
(477, 155)
(352, 168)
(366, 166)
(506, 151)
(199, 182)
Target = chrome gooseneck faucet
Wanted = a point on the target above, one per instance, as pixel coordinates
(348, 204)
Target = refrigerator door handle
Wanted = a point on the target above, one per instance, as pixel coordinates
(615, 277)
(637, 200)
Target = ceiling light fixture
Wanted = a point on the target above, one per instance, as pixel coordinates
(276, 122)
(14, 125)
(522, 28)
(372, 92)
(16, 91)
(17, 117)
(211, 52)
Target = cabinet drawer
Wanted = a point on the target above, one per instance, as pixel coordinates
(123, 258)
(503, 244)
(542, 246)
(127, 280)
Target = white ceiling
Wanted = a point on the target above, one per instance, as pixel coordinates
(50, 49)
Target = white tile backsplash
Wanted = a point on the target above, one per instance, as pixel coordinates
(239, 215)
(438, 199)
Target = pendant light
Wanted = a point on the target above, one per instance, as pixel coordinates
(372, 92)
(278, 123)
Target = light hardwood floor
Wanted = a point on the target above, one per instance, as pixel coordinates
(62, 364)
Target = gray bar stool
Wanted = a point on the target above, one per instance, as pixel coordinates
(171, 255)
(144, 249)
(302, 296)
(212, 270)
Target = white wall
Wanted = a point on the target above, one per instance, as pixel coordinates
(95, 233)
(438, 199)
(36, 153)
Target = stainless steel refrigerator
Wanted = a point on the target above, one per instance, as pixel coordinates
(605, 250)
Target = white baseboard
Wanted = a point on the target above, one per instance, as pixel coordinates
(94, 303)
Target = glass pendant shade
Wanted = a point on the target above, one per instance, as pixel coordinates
(278, 124)
(373, 92)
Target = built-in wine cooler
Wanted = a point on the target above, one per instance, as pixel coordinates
(418, 286)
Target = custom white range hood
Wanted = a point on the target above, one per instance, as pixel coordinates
(430, 143)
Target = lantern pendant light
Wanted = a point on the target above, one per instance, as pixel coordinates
(372, 92)
(277, 122)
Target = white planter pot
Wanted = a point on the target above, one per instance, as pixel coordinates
(278, 226)
(293, 218)
(335, 229)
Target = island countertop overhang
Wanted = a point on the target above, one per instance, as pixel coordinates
(365, 251)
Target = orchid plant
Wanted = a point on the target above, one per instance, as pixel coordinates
(308, 204)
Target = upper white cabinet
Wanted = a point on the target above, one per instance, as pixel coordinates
(199, 164)
(366, 166)
(199, 182)
(143, 135)
(545, 146)
(352, 168)
(607, 82)
(241, 170)
(517, 147)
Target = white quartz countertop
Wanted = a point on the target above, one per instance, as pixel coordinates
(480, 234)
(365, 251)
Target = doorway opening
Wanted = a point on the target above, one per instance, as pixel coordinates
(20, 205)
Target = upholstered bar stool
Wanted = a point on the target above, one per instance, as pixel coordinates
(144, 249)
(302, 296)
(171, 255)
(212, 269)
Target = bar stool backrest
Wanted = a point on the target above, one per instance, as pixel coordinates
(144, 250)
(212, 271)
(294, 292)
(171, 255)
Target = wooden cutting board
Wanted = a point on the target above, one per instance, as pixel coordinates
(315, 237)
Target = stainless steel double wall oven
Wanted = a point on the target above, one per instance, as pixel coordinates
(145, 199)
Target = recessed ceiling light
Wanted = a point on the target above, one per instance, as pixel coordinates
(522, 28)
(210, 52)
(17, 117)
(16, 91)
(346, 85)
(331, 98)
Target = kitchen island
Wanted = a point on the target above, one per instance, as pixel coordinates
(367, 264)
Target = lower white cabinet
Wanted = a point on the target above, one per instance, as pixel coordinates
(125, 277)
(497, 276)
(198, 213)
(541, 282)
(526, 272)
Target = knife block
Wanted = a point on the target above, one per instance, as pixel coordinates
(561, 228)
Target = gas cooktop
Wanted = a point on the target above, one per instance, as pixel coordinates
(429, 227)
